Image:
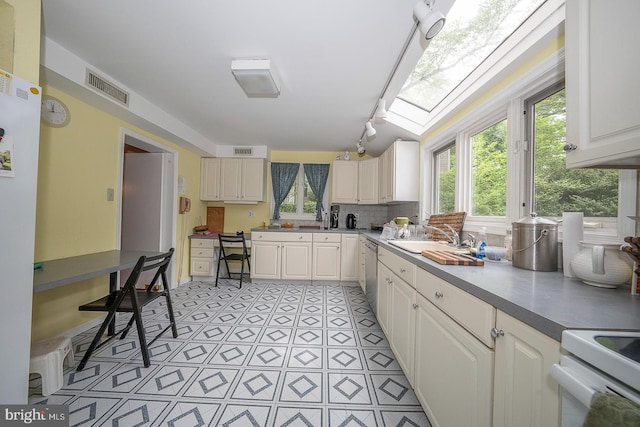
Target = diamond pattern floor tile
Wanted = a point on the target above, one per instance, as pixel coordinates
(269, 354)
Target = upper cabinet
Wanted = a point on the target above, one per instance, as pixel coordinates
(344, 182)
(368, 182)
(398, 172)
(210, 179)
(233, 180)
(602, 62)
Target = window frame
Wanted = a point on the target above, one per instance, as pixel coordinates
(510, 103)
(300, 215)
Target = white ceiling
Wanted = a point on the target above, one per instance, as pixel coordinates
(333, 58)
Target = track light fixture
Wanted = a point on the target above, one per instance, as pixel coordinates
(381, 110)
(369, 129)
(430, 21)
(360, 148)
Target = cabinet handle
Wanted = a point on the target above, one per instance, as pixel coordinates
(439, 295)
(569, 147)
(402, 270)
(495, 333)
(415, 306)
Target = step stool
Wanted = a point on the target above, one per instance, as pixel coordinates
(48, 358)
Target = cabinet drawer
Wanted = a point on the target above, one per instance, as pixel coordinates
(401, 267)
(327, 237)
(201, 267)
(472, 313)
(202, 253)
(280, 237)
(202, 243)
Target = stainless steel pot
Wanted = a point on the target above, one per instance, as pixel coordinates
(535, 243)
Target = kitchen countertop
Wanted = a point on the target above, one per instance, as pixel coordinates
(546, 301)
(309, 230)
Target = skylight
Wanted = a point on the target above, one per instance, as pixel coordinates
(474, 29)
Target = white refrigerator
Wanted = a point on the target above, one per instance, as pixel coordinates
(20, 131)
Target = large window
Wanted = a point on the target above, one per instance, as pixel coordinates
(445, 179)
(300, 199)
(557, 189)
(489, 171)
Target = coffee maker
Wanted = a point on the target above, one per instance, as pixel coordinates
(335, 213)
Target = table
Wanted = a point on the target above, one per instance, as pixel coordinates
(63, 271)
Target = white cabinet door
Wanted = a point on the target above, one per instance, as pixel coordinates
(602, 62)
(265, 260)
(368, 182)
(344, 181)
(349, 249)
(385, 276)
(253, 172)
(210, 179)
(402, 313)
(326, 261)
(453, 371)
(230, 179)
(399, 172)
(525, 393)
(296, 261)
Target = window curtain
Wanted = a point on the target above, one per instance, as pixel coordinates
(283, 175)
(317, 175)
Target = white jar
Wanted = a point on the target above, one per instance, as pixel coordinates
(602, 265)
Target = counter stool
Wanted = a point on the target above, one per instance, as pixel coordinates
(48, 358)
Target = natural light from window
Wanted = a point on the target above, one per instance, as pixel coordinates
(473, 30)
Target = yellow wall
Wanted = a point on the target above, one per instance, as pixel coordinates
(26, 48)
(73, 217)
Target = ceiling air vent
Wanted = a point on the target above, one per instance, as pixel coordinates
(107, 88)
(243, 151)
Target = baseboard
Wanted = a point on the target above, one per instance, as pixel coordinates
(83, 327)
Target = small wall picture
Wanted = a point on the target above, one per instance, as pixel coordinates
(6, 157)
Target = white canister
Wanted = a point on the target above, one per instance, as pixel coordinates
(602, 265)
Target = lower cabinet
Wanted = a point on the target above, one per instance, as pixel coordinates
(202, 258)
(326, 256)
(281, 256)
(349, 249)
(469, 364)
(525, 394)
(453, 370)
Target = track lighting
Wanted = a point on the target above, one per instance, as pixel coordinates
(360, 148)
(370, 130)
(381, 110)
(431, 21)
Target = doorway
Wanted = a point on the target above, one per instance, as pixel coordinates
(148, 197)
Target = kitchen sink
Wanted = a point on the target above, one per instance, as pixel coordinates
(417, 246)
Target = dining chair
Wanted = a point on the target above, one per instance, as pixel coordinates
(130, 299)
(226, 246)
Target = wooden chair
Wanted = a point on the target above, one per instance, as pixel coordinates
(131, 300)
(225, 241)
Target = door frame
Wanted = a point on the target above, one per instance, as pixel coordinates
(170, 189)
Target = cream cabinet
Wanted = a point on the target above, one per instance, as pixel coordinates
(202, 257)
(453, 370)
(242, 180)
(344, 181)
(368, 182)
(525, 394)
(210, 179)
(349, 256)
(398, 173)
(396, 307)
(602, 62)
(281, 256)
(326, 256)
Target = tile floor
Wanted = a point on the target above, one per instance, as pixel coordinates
(266, 355)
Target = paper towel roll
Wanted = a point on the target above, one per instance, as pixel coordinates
(572, 235)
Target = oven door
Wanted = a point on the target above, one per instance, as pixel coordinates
(579, 382)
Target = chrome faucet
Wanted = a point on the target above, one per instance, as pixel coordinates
(454, 237)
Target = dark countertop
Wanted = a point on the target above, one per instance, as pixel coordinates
(546, 301)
